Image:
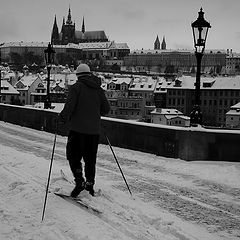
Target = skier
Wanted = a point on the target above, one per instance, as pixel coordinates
(86, 103)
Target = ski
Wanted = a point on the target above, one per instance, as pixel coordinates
(78, 202)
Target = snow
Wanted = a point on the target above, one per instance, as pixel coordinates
(172, 199)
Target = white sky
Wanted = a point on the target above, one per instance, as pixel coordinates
(136, 22)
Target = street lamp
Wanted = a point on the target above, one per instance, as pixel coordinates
(49, 58)
(200, 30)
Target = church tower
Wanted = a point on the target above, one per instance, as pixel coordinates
(83, 26)
(55, 33)
(157, 44)
(163, 45)
(69, 34)
(68, 30)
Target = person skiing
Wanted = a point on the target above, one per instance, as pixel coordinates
(85, 104)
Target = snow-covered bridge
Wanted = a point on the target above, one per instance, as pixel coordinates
(172, 198)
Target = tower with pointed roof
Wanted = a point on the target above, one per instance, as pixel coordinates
(163, 45)
(55, 33)
(69, 34)
(68, 30)
(83, 26)
(157, 44)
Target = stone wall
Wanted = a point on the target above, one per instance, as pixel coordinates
(176, 142)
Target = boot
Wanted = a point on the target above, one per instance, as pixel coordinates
(89, 188)
(80, 185)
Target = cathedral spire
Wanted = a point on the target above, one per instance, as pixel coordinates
(55, 33)
(163, 45)
(157, 44)
(63, 23)
(69, 18)
(83, 26)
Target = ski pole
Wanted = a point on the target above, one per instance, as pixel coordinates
(118, 163)
(50, 170)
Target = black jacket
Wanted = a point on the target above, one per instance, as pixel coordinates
(85, 105)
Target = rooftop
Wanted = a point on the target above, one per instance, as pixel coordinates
(187, 82)
(7, 88)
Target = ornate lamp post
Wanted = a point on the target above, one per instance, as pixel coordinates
(200, 30)
(49, 58)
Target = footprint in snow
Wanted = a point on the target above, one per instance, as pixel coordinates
(14, 185)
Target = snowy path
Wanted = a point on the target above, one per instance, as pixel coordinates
(173, 199)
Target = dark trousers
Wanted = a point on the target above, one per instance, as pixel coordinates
(84, 146)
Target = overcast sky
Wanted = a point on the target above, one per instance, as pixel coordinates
(135, 22)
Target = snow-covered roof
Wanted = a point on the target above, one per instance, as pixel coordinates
(161, 85)
(126, 80)
(95, 45)
(37, 44)
(27, 80)
(236, 106)
(166, 111)
(235, 112)
(143, 84)
(103, 45)
(188, 82)
(7, 88)
(25, 44)
(178, 116)
(118, 45)
(169, 51)
(159, 51)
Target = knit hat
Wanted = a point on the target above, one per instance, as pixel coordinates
(82, 68)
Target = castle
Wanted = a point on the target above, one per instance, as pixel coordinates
(69, 34)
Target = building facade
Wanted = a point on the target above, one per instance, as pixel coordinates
(233, 116)
(95, 51)
(8, 94)
(171, 117)
(217, 95)
(232, 63)
(181, 60)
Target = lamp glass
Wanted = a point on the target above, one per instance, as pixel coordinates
(200, 30)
